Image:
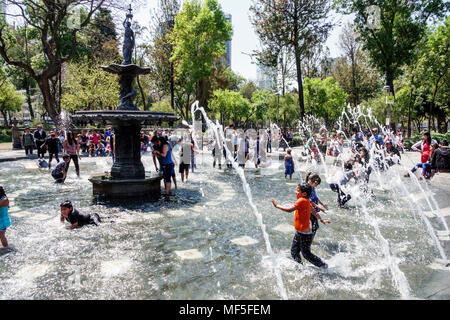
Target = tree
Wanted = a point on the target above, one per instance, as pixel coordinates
(434, 65)
(395, 32)
(262, 102)
(10, 99)
(230, 105)
(353, 71)
(88, 87)
(198, 38)
(324, 98)
(248, 89)
(101, 37)
(25, 50)
(160, 49)
(58, 37)
(295, 24)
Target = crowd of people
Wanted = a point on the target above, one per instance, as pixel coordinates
(369, 151)
(89, 142)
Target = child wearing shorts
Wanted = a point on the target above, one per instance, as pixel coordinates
(5, 221)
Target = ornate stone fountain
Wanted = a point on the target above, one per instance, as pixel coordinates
(127, 178)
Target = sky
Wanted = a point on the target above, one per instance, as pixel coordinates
(245, 40)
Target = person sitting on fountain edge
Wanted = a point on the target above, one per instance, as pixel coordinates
(303, 235)
(166, 161)
(77, 219)
(440, 160)
(60, 171)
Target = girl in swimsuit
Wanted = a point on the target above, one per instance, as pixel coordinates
(5, 221)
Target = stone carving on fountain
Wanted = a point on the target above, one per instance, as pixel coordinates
(127, 178)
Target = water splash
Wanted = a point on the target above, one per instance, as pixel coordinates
(216, 128)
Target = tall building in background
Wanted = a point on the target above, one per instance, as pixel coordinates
(266, 77)
(228, 44)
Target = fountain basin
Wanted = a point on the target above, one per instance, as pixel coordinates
(111, 116)
(148, 188)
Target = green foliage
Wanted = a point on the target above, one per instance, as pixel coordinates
(100, 37)
(10, 99)
(324, 98)
(5, 135)
(433, 71)
(290, 26)
(230, 104)
(162, 106)
(247, 89)
(87, 87)
(401, 26)
(198, 38)
(262, 102)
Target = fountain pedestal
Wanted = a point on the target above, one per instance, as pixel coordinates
(127, 164)
(127, 178)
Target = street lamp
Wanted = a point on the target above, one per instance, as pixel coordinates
(278, 106)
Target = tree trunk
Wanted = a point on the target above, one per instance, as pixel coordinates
(301, 98)
(50, 103)
(442, 125)
(298, 64)
(188, 110)
(5, 116)
(355, 91)
(390, 79)
(409, 108)
(30, 105)
(432, 105)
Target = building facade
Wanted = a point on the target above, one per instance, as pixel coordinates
(228, 44)
(266, 77)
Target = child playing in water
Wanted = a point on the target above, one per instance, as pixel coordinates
(289, 165)
(60, 171)
(77, 219)
(314, 180)
(5, 221)
(303, 235)
(336, 187)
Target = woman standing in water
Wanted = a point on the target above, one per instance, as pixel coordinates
(72, 148)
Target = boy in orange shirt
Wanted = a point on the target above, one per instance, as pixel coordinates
(303, 235)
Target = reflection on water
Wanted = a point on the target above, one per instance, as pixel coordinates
(204, 244)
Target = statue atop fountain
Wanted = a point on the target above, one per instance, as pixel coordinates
(127, 178)
(128, 41)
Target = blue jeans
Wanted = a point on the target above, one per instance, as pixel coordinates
(425, 167)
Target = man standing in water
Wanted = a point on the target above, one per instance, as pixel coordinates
(166, 161)
(52, 144)
(28, 142)
(39, 137)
